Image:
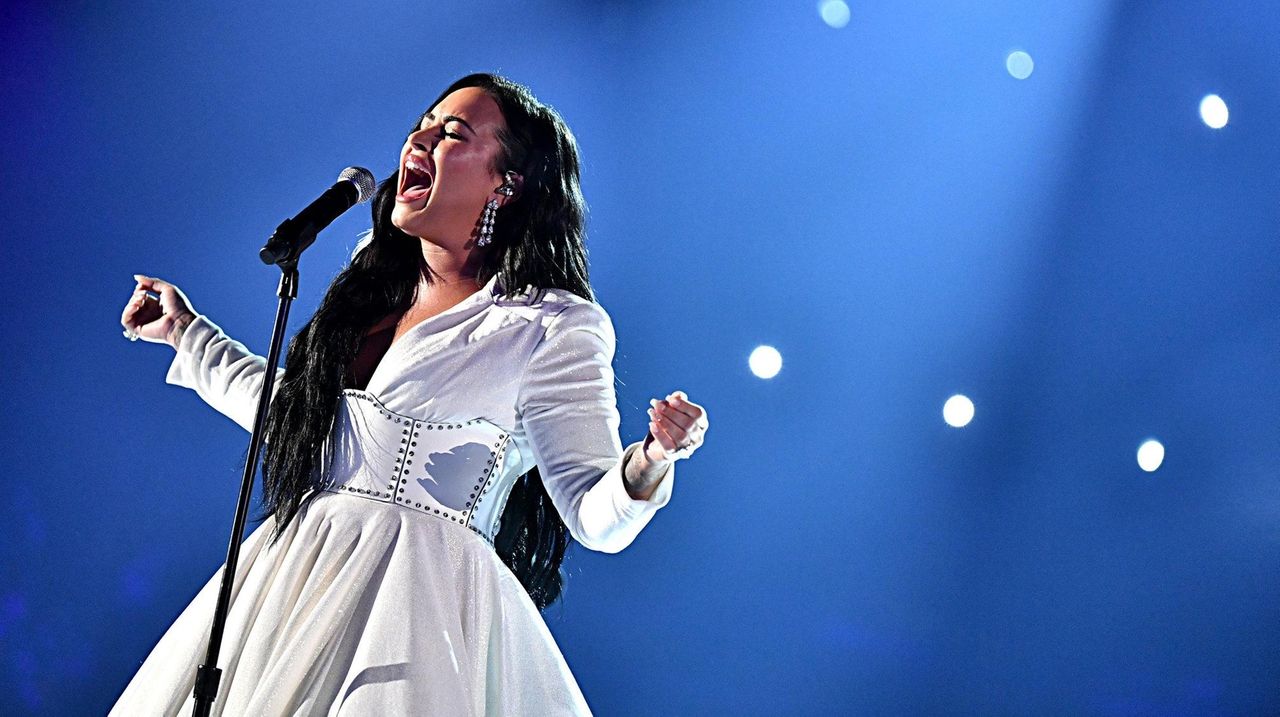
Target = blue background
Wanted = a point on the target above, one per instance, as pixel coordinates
(883, 203)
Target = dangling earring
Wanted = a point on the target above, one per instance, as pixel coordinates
(490, 213)
(486, 223)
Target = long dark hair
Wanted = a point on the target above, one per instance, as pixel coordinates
(537, 242)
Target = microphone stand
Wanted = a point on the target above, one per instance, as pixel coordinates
(208, 675)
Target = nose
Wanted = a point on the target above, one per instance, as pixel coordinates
(423, 141)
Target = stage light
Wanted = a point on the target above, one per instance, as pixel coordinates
(1150, 455)
(765, 362)
(1213, 111)
(834, 12)
(957, 411)
(1019, 64)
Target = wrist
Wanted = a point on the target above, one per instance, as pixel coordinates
(641, 474)
(179, 327)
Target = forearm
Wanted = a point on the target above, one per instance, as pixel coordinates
(642, 475)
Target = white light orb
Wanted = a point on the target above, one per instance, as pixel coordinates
(957, 411)
(1214, 111)
(1019, 64)
(765, 362)
(1150, 455)
(834, 12)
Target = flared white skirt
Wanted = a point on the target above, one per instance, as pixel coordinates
(363, 608)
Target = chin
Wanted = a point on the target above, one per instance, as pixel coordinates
(402, 218)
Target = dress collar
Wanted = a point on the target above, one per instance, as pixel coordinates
(496, 289)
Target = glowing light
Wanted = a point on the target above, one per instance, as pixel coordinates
(1214, 111)
(1019, 64)
(1150, 455)
(957, 411)
(765, 362)
(834, 12)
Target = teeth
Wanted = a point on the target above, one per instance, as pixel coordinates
(413, 164)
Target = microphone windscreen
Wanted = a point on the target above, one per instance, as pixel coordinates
(362, 178)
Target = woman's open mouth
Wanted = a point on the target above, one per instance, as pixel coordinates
(415, 180)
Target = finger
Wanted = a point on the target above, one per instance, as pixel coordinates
(139, 300)
(663, 438)
(134, 304)
(670, 413)
(677, 433)
(171, 300)
(137, 320)
(153, 284)
(680, 401)
(666, 452)
(673, 429)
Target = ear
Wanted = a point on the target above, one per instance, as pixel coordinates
(509, 190)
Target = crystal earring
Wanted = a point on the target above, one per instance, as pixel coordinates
(490, 213)
(486, 223)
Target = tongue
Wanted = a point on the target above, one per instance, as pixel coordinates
(417, 191)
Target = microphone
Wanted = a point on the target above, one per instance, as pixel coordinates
(293, 236)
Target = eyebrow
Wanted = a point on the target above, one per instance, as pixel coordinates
(450, 118)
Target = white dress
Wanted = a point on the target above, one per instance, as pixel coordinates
(386, 597)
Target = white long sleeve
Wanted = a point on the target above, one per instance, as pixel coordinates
(226, 374)
(568, 406)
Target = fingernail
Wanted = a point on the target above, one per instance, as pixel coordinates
(653, 402)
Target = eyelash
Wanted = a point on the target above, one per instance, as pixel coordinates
(451, 135)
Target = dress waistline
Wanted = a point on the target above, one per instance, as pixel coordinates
(448, 470)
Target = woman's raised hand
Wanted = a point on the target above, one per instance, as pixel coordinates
(157, 320)
(677, 427)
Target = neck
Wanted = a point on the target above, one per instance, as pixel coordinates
(452, 268)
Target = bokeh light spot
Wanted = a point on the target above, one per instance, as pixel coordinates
(958, 411)
(1213, 110)
(834, 12)
(1150, 455)
(1019, 64)
(765, 362)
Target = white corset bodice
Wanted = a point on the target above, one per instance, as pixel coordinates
(453, 471)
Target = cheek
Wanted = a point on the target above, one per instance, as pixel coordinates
(467, 163)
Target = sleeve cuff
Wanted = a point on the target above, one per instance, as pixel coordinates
(661, 494)
(608, 518)
(182, 371)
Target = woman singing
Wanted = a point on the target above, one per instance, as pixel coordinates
(442, 425)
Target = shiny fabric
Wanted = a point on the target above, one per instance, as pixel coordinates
(385, 596)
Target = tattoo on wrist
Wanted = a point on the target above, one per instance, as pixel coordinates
(178, 329)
